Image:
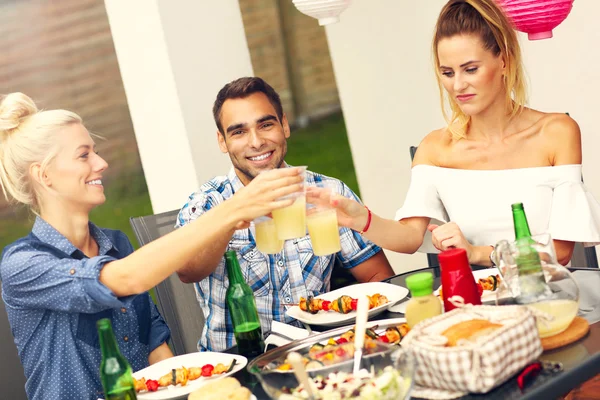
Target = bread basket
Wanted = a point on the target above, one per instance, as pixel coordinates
(475, 366)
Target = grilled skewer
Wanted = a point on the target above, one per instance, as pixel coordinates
(181, 376)
(343, 304)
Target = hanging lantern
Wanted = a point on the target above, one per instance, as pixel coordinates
(537, 18)
(326, 11)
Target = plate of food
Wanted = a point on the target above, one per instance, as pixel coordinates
(487, 280)
(176, 377)
(338, 307)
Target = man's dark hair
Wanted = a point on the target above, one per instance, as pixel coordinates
(241, 88)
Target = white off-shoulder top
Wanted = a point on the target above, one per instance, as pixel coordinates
(555, 200)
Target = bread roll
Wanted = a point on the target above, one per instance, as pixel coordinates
(469, 330)
(221, 389)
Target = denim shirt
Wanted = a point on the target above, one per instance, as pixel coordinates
(53, 299)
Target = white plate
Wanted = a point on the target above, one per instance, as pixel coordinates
(487, 295)
(399, 308)
(394, 293)
(199, 359)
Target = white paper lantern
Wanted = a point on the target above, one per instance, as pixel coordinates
(326, 11)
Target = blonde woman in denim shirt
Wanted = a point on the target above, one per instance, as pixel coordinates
(68, 273)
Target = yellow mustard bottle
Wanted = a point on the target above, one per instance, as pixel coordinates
(423, 303)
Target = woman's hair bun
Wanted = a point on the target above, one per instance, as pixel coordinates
(14, 108)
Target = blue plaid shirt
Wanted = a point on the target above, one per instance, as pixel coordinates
(275, 279)
(53, 299)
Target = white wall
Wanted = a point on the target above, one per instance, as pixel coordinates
(565, 77)
(381, 53)
(174, 56)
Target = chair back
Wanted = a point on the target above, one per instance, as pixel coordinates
(176, 300)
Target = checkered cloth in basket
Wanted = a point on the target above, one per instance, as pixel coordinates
(475, 367)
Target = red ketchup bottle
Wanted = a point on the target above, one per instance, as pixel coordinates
(457, 278)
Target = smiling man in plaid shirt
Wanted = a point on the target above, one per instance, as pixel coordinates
(253, 130)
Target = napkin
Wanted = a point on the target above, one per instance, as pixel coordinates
(282, 334)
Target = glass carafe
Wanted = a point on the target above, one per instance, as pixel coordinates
(557, 305)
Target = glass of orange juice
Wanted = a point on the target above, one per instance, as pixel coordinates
(290, 221)
(267, 241)
(322, 224)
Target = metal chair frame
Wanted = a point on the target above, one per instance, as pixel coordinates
(176, 300)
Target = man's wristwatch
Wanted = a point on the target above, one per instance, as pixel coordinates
(493, 256)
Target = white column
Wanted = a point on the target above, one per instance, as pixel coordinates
(381, 53)
(174, 56)
(382, 63)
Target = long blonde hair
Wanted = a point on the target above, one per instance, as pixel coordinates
(485, 19)
(27, 136)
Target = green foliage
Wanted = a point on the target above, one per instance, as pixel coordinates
(323, 147)
(15, 225)
(126, 196)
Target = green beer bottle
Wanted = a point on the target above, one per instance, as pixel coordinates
(115, 371)
(242, 307)
(529, 266)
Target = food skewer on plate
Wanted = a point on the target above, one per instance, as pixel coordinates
(343, 304)
(181, 376)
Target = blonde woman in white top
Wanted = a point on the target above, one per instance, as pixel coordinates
(495, 151)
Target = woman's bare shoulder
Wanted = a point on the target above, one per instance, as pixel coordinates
(560, 124)
(432, 146)
(562, 135)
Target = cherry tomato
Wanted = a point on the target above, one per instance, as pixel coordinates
(152, 385)
(340, 353)
(354, 304)
(207, 370)
(342, 340)
(384, 339)
(325, 305)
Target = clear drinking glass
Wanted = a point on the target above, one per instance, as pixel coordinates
(291, 221)
(321, 221)
(267, 240)
(557, 306)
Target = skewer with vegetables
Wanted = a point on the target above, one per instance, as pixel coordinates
(181, 376)
(343, 304)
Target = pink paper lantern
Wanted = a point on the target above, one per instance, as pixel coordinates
(537, 18)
